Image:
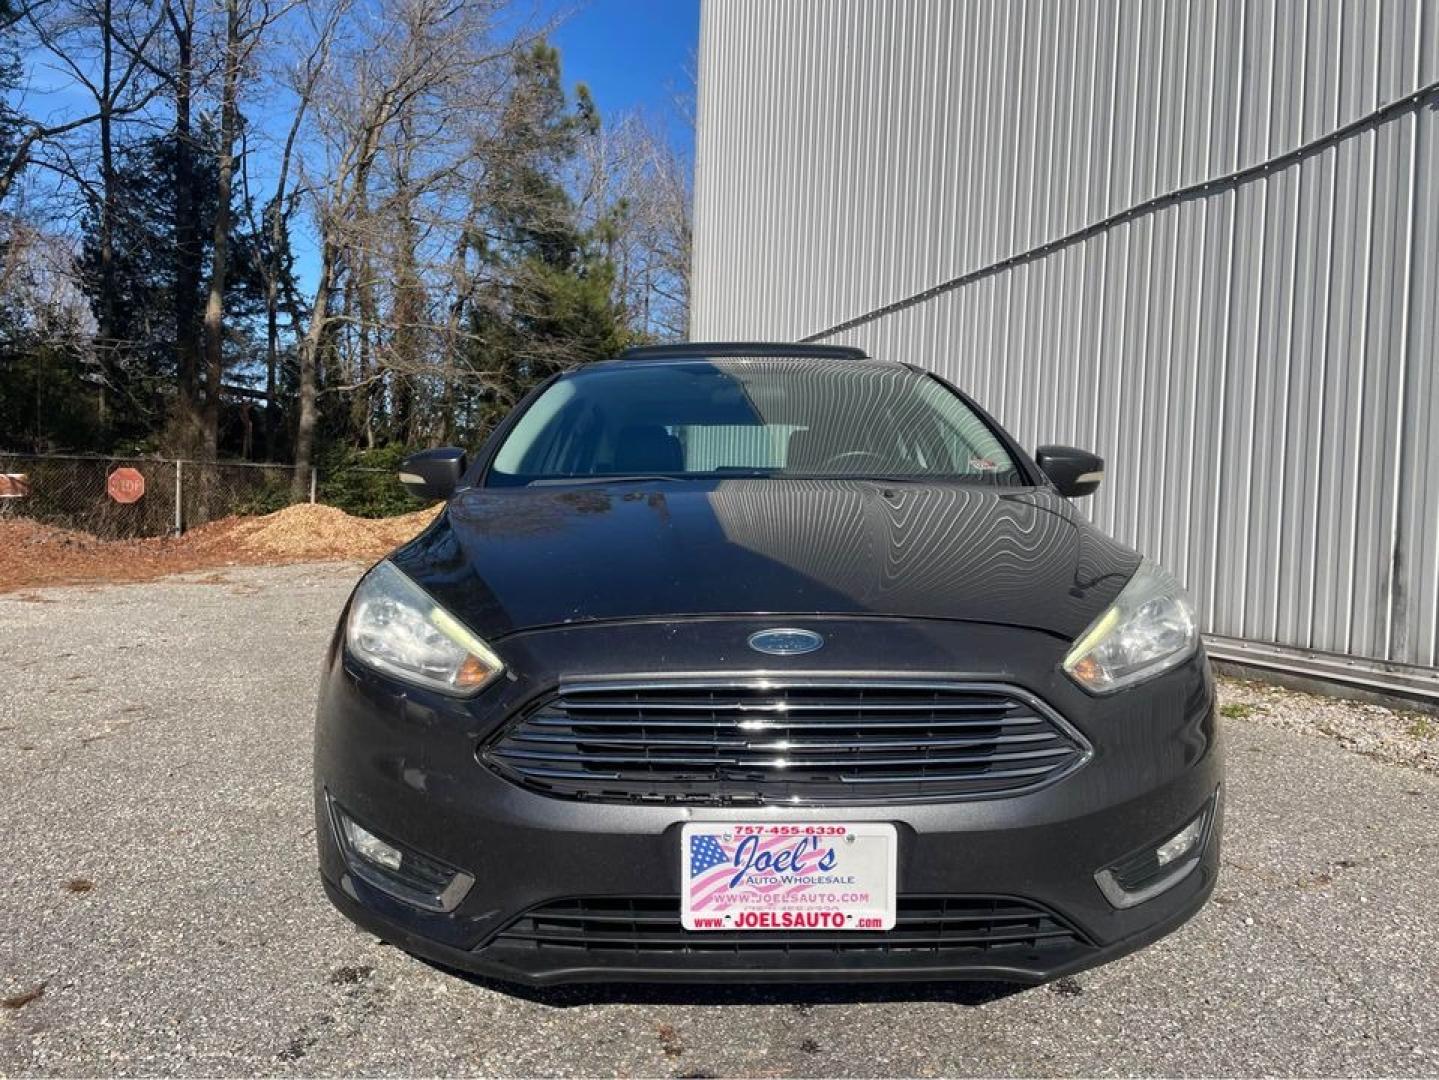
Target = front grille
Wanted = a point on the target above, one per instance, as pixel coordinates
(758, 742)
(951, 926)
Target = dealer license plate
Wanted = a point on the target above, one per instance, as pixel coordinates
(787, 877)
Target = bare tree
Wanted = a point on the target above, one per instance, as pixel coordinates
(48, 317)
(633, 175)
(395, 131)
(74, 38)
(180, 15)
(246, 22)
(301, 78)
(84, 39)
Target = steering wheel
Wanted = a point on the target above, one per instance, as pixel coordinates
(835, 459)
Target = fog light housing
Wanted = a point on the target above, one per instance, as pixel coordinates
(1181, 843)
(394, 868)
(1156, 869)
(370, 847)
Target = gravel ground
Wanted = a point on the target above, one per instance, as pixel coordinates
(157, 881)
(1398, 736)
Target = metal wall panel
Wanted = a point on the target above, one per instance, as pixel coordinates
(1256, 357)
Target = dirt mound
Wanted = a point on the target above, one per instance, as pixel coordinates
(32, 554)
(311, 532)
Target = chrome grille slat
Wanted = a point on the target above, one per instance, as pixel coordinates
(787, 707)
(662, 741)
(998, 774)
(547, 721)
(789, 763)
(750, 742)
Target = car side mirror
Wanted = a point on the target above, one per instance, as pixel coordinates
(1075, 473)
(433, 474)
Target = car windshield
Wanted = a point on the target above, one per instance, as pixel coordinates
(718, 418)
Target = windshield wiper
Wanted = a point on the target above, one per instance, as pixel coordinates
(861, 478)
(560, 481)
(913, 478)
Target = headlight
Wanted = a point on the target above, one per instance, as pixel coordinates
(1147, 630)
(395, 627)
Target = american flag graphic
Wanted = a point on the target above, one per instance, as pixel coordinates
(705, 854)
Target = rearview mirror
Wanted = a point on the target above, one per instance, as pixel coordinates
(433, 474)
(1075, 473)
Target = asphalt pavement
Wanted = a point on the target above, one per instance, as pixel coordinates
(160, 911)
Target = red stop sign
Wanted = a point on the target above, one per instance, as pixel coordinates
(126, 485)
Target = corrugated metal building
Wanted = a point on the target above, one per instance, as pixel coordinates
(1198, 237)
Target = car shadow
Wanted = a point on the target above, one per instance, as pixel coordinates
(797, 996)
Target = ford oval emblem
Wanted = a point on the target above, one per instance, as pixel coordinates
(785, 642)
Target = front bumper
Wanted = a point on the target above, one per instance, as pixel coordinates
(404, 762)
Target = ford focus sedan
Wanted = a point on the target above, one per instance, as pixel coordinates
(764, 662)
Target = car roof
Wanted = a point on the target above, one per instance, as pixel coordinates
(705, 350)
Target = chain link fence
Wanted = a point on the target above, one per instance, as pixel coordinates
(127, 497)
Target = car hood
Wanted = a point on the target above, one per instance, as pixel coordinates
(510, 559)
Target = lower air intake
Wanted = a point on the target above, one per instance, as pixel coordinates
(962, 928)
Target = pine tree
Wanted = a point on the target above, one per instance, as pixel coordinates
(146, 272)
(551, 299)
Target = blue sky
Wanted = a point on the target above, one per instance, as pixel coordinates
(632, 53)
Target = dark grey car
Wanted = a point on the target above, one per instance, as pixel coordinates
(764, 662)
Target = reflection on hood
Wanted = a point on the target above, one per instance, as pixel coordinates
(518, 558)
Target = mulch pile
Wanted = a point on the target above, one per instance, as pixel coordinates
(33, 555)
